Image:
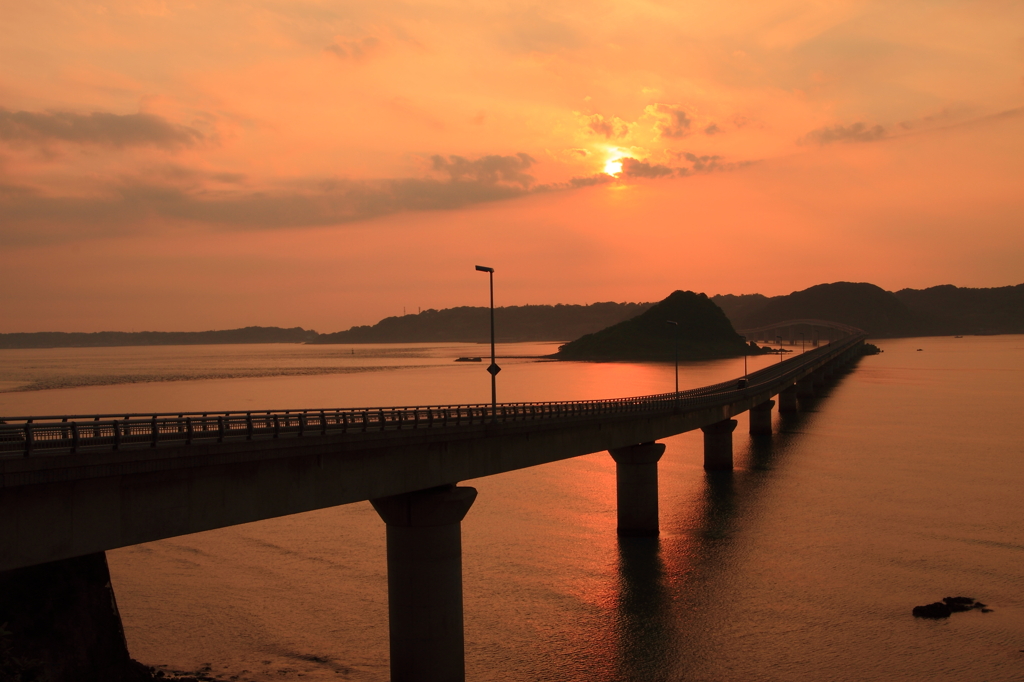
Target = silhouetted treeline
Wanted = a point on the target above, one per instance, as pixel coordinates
(941, 310)
(471, 324)
(99, 339)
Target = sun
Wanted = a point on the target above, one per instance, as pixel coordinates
(613, 166)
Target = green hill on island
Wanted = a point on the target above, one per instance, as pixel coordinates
(703, 332)
(473, 325)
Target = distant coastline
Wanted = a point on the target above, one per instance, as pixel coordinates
(944, 310)
(121, 339)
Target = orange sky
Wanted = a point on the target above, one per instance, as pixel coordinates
(186, 166)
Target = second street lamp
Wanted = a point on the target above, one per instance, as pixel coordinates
(493, 369)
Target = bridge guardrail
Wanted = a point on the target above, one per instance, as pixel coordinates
(77, 433)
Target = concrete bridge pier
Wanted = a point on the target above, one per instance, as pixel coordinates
(787, 399)
(636, 476)
(805, 387)
(718, 445)
(424, 541)
(761, 419)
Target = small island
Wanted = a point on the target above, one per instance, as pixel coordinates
(703, 332)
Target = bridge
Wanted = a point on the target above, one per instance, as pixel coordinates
(77, 485)
(804, 331)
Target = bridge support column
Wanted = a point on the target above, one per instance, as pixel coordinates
(636, 489)
(424, 540)
(62, 620)
(718, 445)
(787, 400)
(761, 419)
(805, 387)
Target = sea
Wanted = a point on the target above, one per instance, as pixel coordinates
(900, 484)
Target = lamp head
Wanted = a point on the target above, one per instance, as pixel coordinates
(672, 322)
(484, 268)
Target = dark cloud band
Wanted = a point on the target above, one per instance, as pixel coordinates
(99, 128)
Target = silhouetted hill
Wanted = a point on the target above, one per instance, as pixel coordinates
(859, 304)
(703, 332)
(951, 310)
(937, 310)
(739, 307)
(99, 339)
(472, 324)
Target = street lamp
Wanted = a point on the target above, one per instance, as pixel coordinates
(493, 369)
(779, 340)
(801, 342)
(746, 347)
(677, 355)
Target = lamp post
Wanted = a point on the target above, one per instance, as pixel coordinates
(493, 369)
(778, 339)
(746, 348)
(801, 342)
(676, 324)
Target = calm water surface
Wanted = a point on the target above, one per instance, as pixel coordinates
(902, 484)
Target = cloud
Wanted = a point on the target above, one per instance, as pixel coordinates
(632, 168)
(128, 205)
(98, 128)
(855, 132)
(352, 49)
(712, 129)
(706, 163)
(612, 128)
(488, 170)
(532, 32)
(588, 181)
(671, 121)
(164, 195)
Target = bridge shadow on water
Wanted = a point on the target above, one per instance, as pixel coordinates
(671, 612)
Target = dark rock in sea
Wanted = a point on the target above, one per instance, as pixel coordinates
(958, 604)
(936, 610)
(986, 610)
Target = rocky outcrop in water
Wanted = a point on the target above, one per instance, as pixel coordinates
(949, 606)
